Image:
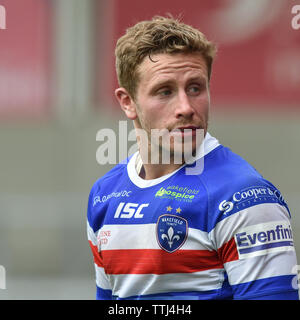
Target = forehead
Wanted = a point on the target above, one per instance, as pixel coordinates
(165, 65)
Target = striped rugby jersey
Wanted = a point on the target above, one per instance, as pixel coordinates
(223, 233)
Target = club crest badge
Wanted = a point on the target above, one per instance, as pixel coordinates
(171, 232)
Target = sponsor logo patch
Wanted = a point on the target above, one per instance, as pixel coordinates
(171, 232)
(264, 238)
(250, 196)
(116, 194)
(177, 193)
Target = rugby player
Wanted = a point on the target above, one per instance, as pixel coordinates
(160, 231)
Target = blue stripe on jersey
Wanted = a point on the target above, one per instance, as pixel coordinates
(267, 246)
(226, 177)
(288, 295)
(274, 288)
(102, 294)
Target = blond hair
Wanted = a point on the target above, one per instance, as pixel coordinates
(159, 35)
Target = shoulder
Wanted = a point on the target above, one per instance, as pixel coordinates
(111, 176)
(233, 185)
(223, 164)
(225, 171)
(102, 189)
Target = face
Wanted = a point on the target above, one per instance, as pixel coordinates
(172, 94)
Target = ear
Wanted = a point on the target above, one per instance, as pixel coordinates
(126, 102)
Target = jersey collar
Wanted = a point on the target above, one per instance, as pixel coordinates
(134, 165)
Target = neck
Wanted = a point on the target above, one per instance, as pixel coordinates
(154, 171)
(149, 168)
(148, 171)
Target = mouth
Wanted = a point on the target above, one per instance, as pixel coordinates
(185, 131)
(188, 127)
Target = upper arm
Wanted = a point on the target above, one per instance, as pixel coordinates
(103, 286)
(256, 247)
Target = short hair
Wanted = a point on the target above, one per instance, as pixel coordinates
(159, 35)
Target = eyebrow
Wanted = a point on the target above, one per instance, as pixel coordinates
(161, 83)
(199, 78)
(166, 82)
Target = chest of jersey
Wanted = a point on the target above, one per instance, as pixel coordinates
(160, 231)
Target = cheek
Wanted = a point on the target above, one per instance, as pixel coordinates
(154, 112)
(201, 104)
(147, 117)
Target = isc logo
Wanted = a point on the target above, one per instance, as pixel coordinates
(130, 210)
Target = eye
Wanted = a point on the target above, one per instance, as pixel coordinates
(195, 89)
(165, 92)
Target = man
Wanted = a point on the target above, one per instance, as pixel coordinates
(159, 232)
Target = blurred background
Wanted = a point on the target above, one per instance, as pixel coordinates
(57, 79)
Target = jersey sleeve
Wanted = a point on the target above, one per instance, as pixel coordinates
(255, 245)
(103, 288)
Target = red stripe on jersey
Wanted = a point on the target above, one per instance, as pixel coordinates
(96, 254)
(228, 252)
(156, 261)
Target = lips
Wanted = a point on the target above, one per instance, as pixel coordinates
(185, 131)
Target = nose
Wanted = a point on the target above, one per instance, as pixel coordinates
(183, 108)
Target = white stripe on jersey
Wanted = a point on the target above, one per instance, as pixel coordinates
(256, 268)
(261, 213)
(101, 278)
(126, 285)
(92, 236)
(125, 237)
